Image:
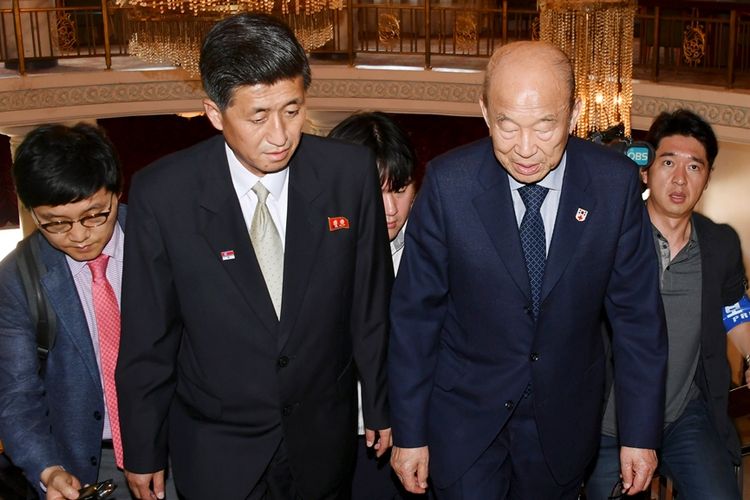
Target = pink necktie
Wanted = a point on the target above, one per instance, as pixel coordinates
(107, 313)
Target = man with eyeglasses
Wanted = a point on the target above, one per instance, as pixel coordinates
(58, 417)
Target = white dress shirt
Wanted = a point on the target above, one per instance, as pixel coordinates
(397, 248)
(276, 183)
(553, 182)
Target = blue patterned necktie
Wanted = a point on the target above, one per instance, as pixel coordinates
(533, 241)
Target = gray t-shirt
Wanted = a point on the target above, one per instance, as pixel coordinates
(681, 293)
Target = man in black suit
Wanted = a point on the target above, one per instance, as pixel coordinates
(256, 284)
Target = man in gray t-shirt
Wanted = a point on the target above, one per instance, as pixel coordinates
(701, 273)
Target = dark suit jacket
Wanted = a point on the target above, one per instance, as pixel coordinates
(464, 344)
(205, 367)
(56, 420)
(723, 283)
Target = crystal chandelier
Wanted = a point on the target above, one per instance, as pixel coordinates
(597, 36)
(172, 31)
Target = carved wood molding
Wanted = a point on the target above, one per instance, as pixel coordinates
(43, 98)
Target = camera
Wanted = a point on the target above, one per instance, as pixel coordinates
(640, 152)
(98, 491)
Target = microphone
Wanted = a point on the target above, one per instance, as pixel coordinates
(641, 152)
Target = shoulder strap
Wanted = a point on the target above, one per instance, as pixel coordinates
(31, 268)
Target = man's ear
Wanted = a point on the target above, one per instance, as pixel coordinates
(574, 113)
(485, 113)
(214, 114)
(644, 176)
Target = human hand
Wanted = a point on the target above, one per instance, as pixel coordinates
(141, 485)
(385, 440)
(637, 466)
(60, 483)
(412, 467)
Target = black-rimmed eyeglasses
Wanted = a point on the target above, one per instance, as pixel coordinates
(63, 226)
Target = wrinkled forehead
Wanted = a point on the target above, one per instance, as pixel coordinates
(527, 104)
(539, 68)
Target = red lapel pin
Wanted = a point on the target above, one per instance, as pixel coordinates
(338, 222)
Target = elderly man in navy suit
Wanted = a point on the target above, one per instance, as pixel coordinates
(515, 247)
(58, 417)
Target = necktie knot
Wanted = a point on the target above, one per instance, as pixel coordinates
(261, 192)
(98, 267)
(533, 196)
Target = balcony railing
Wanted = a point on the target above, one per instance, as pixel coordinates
(700, 42)
(38, 36)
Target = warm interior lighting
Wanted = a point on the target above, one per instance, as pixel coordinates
(455, 70)
(597, 35)
(171, 31)
(389, 67)
(190, 114)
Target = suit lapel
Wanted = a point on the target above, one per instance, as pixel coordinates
(63, 296)
(568, 229)
(709, 272)
(706, 244)
(494, 207)
(304, 229)
(223, 226)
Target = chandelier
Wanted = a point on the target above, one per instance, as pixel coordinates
(172, 31)
(597, 36)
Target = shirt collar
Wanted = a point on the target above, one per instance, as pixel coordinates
(552, 181)
(398, 242)
(243, 180)
(692, 239)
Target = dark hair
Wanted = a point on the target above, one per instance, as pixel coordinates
(57, 164)
(249, 49)
(394, 154)
(686, 123)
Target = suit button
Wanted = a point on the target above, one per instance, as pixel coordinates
(282, 361)
(93, 461)
(97, 415)
(509, 405)
(528, 310)
(287, 410)
(534, 356)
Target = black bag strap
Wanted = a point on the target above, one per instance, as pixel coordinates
(31, 268)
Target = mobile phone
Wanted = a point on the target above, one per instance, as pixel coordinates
(98, 491)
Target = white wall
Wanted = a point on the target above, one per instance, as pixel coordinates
(727, 198)
(8, 240)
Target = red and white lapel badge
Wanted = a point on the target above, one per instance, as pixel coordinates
(338, 222)
(227, 255)
(581, 215)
